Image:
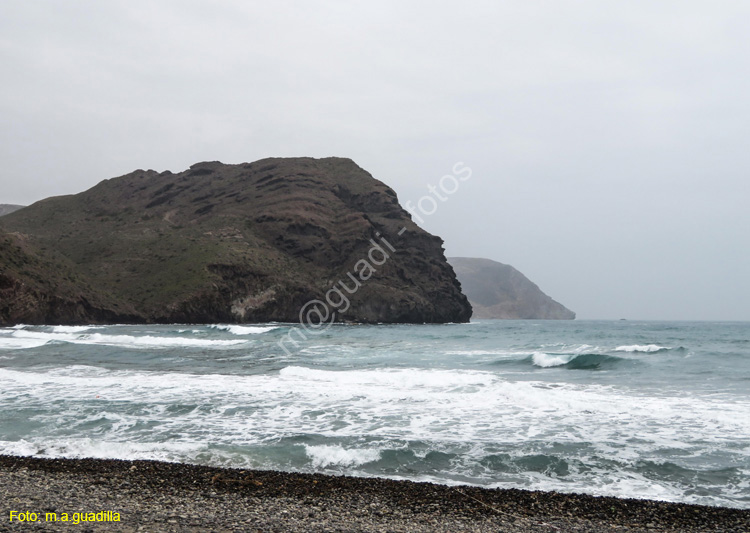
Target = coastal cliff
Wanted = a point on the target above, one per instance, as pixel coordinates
(226, 243)
(496, 290)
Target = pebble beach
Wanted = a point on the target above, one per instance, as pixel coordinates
(158, 496)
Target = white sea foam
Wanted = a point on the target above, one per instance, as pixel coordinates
(584, 348)
(13, 343)
(74, 448)
(389, 379)
(244, 330)
(490, 352)
(73, 329)
(442, 405)
(125, 341)
(361, 413)
(546, 360)
(325, 456)
(562, 347)
(598, 482)
(646, 348)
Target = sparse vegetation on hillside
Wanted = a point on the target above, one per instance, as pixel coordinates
(198, 245)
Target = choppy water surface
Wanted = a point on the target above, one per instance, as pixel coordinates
(630, 409)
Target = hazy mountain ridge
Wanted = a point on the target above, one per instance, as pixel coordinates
(496, 290)
(223, 243)
(7, 209)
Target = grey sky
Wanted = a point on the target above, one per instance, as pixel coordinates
(608, 140)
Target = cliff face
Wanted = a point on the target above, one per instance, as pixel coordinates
(36, 288)
(226, 243)
(496, 290)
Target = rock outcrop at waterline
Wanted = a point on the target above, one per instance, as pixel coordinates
(225, 243)
(496, 290)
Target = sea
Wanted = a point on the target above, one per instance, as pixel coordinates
(654, 410)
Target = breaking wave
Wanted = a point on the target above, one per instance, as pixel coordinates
(327, 455)
(243, 330)
(31, 339)
(645, 348)
(579, 361)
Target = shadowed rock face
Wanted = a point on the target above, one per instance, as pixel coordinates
(225, 243)
(496, 290)
(36, 288)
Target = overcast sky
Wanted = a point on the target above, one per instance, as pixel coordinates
(608, 140)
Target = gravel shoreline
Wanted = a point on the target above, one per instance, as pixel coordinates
(157, 496)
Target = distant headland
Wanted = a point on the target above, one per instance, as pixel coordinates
(496, 290)
(7, 209)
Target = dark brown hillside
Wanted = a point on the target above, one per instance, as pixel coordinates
(241, 243)
(34, 287)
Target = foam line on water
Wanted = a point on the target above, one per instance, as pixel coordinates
(334, 455)
(13, 343)
(418, 403)
(73, 329)
(77, 448)
(124, 341)
(360, 414)
(645, 348)
(243, 330)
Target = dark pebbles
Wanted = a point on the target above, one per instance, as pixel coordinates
(156, 496)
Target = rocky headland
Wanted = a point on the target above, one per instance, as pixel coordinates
(496, 290)
(250, 242)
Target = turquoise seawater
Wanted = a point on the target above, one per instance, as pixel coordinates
(632, 409)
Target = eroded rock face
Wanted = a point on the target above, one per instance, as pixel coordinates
(39, 289)
(231, 243)
(496, 290)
